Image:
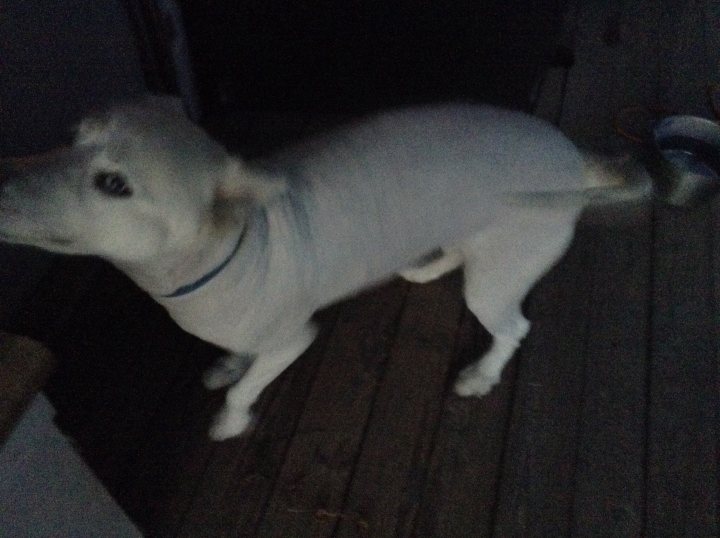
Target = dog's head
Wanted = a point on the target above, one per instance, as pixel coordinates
(139, 181)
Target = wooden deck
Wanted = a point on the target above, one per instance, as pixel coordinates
(606, 422)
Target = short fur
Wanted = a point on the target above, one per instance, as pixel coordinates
(499, 192)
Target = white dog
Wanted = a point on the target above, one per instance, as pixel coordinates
(242, 254)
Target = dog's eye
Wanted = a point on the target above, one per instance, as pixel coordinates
(113, 184)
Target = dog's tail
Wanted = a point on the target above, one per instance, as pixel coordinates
(609, 180)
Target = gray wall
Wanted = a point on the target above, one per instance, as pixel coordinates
(57, 61)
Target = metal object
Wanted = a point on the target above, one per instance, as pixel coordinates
(684, 159)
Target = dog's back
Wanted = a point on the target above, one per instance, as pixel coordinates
(402, 184)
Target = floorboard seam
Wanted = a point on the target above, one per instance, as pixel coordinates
(447, 390)
(652, 286)
(391, 339)
(323, 351)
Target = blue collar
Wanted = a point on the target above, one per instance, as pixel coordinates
(207, 277)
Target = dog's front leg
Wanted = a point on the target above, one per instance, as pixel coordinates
(227, 370)
(235, 415)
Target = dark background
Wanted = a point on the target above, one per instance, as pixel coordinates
(359, 55)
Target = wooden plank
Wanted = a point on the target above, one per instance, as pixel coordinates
(241, 472)
(715, 230)
(586, 111)
(536, 491)
(684, 403)
(682, 453)
(460, 491)
(325, 446)
(545, 490)
(609, 492)
(388, 482)
(636, 66)
(690, 58)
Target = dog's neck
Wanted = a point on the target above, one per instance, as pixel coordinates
(197, 264)
(208, 275)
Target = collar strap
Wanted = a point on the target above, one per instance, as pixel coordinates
(207, 277)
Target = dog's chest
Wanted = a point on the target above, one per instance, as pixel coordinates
(237, 319)
(257, 296)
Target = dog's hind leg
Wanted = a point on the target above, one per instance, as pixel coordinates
(235, 415)
(449, 260)
(501, 265)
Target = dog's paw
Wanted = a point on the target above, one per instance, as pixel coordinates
(472, 382)
(230, 423)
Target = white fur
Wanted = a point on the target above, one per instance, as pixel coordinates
(499, 192)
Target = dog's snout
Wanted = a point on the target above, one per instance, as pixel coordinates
(14, 170)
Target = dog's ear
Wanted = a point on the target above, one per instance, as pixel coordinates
(241, 183)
